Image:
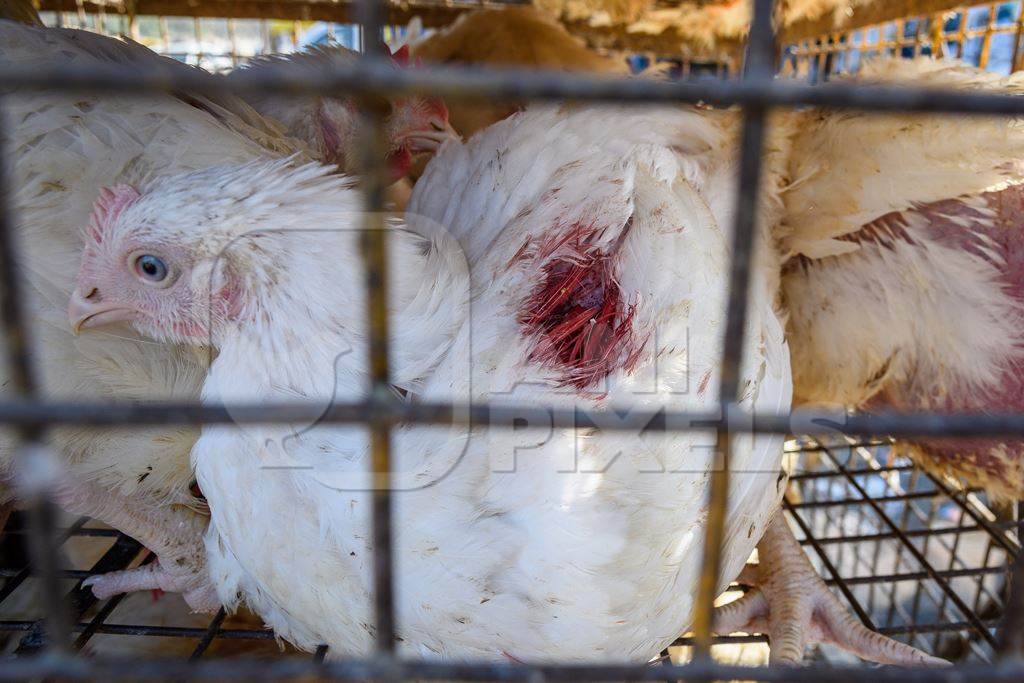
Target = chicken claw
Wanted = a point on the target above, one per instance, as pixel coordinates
(173, 533)
(794, 607)
(190, 582)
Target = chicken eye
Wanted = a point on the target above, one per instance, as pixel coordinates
(151, 268)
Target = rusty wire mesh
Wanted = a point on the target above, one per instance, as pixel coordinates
(889, 530)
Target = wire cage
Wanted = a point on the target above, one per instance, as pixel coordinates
(896, 563)
(911, 553)
(987, 35)
(920, 558)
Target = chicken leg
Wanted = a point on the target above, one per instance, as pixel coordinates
(174, 533)
(794, 607)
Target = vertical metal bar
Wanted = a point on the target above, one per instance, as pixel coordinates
(29, 450)
(197, 29)
(961, 34)
(1019, 21)
(268, 39)
(233, 39)
(375, 261)
(133, 26)
(802, 62)
(758, 66)
(165, 34)
(986, 41)
(897, 39)
(936, 27)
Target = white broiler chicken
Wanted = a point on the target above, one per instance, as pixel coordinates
(906, 288)
(792, 603)
(602, 284)
(329, 125)
(66, 148)
(594, 278)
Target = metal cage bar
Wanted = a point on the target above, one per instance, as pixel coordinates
(374, 252)
(759, 68)
(31, 456)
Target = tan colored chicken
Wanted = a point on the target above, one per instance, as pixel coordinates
(513, 37)
(905, 289)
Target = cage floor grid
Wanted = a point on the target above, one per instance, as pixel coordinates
(914, 556)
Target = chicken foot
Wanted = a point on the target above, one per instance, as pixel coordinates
(173, 533)
(431, 140)
(793, 606)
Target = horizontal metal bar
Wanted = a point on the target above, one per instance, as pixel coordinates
(385, 410)
(143, 631)
(920, 576)
(865, 471)
(370, 76)
(380, 410)
(815, 448)
(81, 533)
(943, 627)
(916, 533)
(147, 630)
(433, 14)
(687, 641)
(894, 498)
(111, 669)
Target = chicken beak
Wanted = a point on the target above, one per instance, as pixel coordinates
(84, 312)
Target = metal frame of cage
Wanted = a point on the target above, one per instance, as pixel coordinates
(816, 54)
(756, 92)
(128, 25)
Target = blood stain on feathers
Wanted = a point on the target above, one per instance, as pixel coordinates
(582, 325)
